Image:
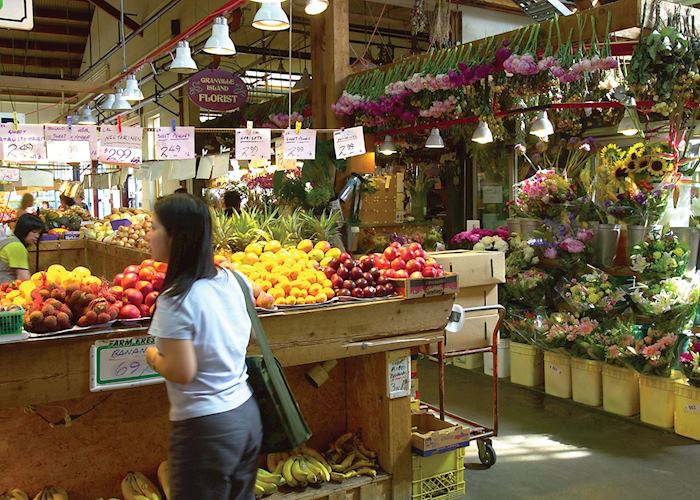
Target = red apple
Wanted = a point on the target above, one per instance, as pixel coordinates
(368, 276)
(429, 272)
(401, 274)
(118, 279)
(343, 272)
(381, 291)
(145, 310)
(361, 283)
(148, 263)
(145, 287)
(129, 311)
(161, 267)
(389, 289)
(132, 269)
(395, 244)
(117, 291)
(133, 296)
(334, 263)
(336, 281)
(355, 273)
(412, 266)
(415, 274)
(369, 292)
(329, 272)
(348, 263)
(421, 261)
(439, 273)
(415, 246)
(390, 273)
(158, 281)
(147, 273)
(344, 256)
(357, 293)
(430, 262)
(366, 264)
(383, 263)
(349, 285)
(375, 273)
(381, 280)
(343, 292)
(406, 253)
(398, 264)
(420, 253)
(390, 253)
(129, 280)
(151, 298)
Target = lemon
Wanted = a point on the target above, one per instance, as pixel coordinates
(273, 246)
(82, 272)
(56, 268)
(291, 300)
(333, 253)
(321, 298)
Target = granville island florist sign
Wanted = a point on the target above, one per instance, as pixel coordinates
(217, 90)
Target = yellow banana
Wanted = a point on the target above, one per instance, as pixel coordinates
(361, 464)
(350, 474)
(337, 477)
(338, 445)
(318, 468)
(278, 467)
(287, 472)
(310, 473)
(366, 471)
(310, 452)
(301, 477)
(259, 490)
(360, 446)
(269, 488)
(345, 464)
(268, 477)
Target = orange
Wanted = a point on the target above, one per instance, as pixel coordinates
(290, 301)
(321, 298)
(273, 246)
(310, 300)
(277, 293)
(250, 258)
(265, 285)
(329, 292)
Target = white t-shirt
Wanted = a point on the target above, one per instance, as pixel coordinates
(213, 316)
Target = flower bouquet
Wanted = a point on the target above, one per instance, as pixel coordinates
(523, 325)
(653, 354)
(562, 330)
(520, 256)
(564, 246)
(544, 195)
(690, 363)
(593, 293)
(669, 304)
(661, 255)
(616, 341)
(487, 239)
(528, 287)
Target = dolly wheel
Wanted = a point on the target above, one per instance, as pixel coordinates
(487, 454)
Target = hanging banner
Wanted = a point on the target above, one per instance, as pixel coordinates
(120, 148)
(25, 144)
(349, 142)
(70, 145)
(253, 144)
(175, 144)
(299, 145)
(217, 90)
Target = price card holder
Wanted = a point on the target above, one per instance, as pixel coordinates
(253, 144)
(299, 145)
(120, 148)
(121, 363)
(175, 144)
(398, 376)
(23, 143)
(68, 145)
(349, 142)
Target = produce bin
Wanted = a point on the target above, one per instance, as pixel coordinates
(687, 411)
(557, 374)
(587, 381)
(503, 360)
(620, 390)
(657, 400)
(439, 476)
(468, 362)
(526, 365)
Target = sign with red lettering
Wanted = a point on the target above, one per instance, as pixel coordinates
(217, 90)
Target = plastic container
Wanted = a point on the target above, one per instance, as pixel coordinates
(557, 374)
(657, 400)
(587, 381)
(11, 322)
(687, 411)
(526, 365)
(620, 390)
(439, 476)
(474, 362)
(503, 360)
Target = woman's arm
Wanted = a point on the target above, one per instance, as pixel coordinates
(174, 359)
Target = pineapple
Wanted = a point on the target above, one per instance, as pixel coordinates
(325, 227)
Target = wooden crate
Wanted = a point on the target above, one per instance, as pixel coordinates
(68, 253)
(106, 260)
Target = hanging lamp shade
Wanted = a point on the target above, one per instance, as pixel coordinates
(314, 7)
(435, 140)
(482, 134)
(304, 82)
(108, 103)
(627, 127)
(132, 92)
(74, 118)
(87, 116)
(220, 43)
(271, 17)
(542, 127)
(387, 147)
(183, 62)
(120, 104)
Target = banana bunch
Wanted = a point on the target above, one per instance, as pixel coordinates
(136, 486)
(14, 494)
(266, 483)
(52, 493)
(349, 457)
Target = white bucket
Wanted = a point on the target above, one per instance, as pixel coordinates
(503, 360)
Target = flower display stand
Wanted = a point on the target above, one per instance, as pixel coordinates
(620, 390)
(503, 360)
(526, 365)
(587, 381)
(687, 411)
(557, 374)
(657, 400)
(528, 228)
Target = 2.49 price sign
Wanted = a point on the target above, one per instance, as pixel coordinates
(175, 144)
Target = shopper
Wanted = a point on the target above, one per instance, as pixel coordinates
(180, 191)
(232, 202)
(66, 202)
(25, 205)
(14, 257)
(202, 330)
(80, 202)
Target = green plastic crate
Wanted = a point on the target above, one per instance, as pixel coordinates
(11, 322)
(439, 476)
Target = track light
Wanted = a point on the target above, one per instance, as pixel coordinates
(627, 125)
(220, 43)
(542, 127)
(183, 62)
(387, 148)
(314, 7)
(120, 104)
(132, 92)
(434, 140)
(87, 116)
(482, 134)
(271, 17)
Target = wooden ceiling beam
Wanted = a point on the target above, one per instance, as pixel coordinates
(114, 12)
(44, 62)
(26, 83)
(75, 49)
(62, 16)
(508, 6)
(64, 30)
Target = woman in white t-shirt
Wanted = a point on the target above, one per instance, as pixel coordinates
(202, 331)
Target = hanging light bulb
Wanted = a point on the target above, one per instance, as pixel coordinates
(132, 92)
(87, 116)
(108, 102)
(434, 140)
(183, 62)
(542, 127)
(120, 104)
(220, 43)
(387, 148)
(314, 7)
(271, 17)
(627, 126)
(482, 134)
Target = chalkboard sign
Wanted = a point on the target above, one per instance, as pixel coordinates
(121, 363)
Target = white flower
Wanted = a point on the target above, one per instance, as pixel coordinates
(487, 240)
(639, 264)
(479, 247)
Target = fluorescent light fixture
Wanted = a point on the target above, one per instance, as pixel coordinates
(314, 7)
(627, 126)
(132, 92)
(87, 117)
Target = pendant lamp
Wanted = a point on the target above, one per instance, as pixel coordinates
(220, 43)
(482, 134)
(183, 62)
(271, 17)
(132, 92)
(434, 140)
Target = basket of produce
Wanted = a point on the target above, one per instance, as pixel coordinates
(11, 321)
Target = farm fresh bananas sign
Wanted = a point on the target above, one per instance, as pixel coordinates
(16, 14)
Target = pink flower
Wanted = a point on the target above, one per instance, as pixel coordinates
(571, 245)
(550, 253)
(613, 351)
(584, 235)
(686, 357)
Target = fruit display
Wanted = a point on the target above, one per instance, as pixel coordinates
(7, 214)
(52, 493)
(70, 218)
(137, 288)
(164, 478)
(14, 494)
(357, 278)
(133, 236)
(407, 261)
(136, 486)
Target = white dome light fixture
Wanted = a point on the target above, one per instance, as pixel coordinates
(108, 103)
(387, 147)
(434, 140)
(315, 7)
(132, 92)
(542, 127)
(220, 43)
(183, 62)
(120, 104)
(271, 17)
(482, 134)
(87, 116)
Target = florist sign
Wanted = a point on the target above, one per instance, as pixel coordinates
(217, 90)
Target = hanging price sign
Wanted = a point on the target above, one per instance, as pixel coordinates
(24, 145)
(175, 144)
(9, 175)
(349, 142)
(253, 144)
(299, 145)
(120, 148)
(69, 145)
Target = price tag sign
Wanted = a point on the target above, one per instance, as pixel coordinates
(24, 145)
(299, 146)
(399, 377)
(120, 148)
(692, 408)
(9, 174)
(349, 142)
(253, 144)
(175, 145)
(556, 369)
(69, 145)
(121, 363)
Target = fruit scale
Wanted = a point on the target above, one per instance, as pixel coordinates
(482, 435)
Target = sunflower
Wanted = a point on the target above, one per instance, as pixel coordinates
(631, 165)
(658, 167)
(619, 170)
(643, 164)
(611, 154)
(635, 152)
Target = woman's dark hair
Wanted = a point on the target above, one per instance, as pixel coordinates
(67, 200)
(26, 224)
(188, 222)
(232, 201)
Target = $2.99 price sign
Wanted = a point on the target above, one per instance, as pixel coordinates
(175, 144)
(253, 144)
(349, 142)
(120, 148)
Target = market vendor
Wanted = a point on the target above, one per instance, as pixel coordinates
(14, 257)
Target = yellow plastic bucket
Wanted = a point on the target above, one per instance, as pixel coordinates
(557, 374)
(657, 400)
(587, 381)
(620, 390)
(687, 420)
(526, 365)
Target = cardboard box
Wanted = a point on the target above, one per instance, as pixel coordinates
(477, 332)
(430, 434)
(476, 296)
(415, 288)
(474, 268)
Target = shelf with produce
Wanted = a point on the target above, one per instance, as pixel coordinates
(361, 488)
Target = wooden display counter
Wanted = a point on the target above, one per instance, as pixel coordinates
(68, 253)
(56, 432)
(106, 260)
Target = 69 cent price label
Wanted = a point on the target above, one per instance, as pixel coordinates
(349, 142)
(120, 148)
(120, 363)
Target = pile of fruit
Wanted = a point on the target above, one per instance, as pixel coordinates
(70, 218)
(136, 486)
(138, 287)
(48, 493)
(357, 278)
(287, 275)
(7, 213)
(407, 261)
(130, 236)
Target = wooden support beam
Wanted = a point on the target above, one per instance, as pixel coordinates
(45, 84)
(64, 30)
(53, 47)
(62, 16)
(318, 82)
(508, 6)
(114, 12)
(44, 62)
(336, 56)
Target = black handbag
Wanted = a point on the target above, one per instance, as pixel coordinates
(284, 427)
